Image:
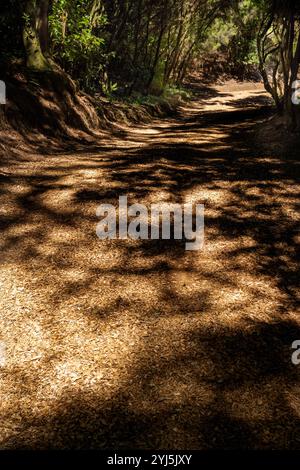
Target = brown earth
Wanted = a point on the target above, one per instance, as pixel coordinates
(142, 344)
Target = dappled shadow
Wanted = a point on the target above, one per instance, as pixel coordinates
(141, 343)
(186, 401)
(258, 100)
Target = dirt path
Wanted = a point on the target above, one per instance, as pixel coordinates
(141, 343)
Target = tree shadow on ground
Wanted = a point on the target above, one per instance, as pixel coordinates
(227, 384)
(234, 390)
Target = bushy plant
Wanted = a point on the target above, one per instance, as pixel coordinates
(77, 42)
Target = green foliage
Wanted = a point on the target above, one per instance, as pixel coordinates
(235, 32)
(77, 41)
(176, 91)
(220, 34)
(144, 45)
(130, 47)
(155, 40)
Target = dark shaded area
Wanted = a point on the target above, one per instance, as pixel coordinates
(253, 101)
(260, 361)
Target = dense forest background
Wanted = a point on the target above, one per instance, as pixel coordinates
(141, 47)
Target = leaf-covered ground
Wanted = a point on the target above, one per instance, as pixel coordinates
(140, 343)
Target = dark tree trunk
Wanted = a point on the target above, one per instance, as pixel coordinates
(42, 25)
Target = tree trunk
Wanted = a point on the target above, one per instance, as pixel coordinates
(294, 109)
(42, 25)
(35, 34)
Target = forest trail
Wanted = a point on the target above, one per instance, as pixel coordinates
(128, 343)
